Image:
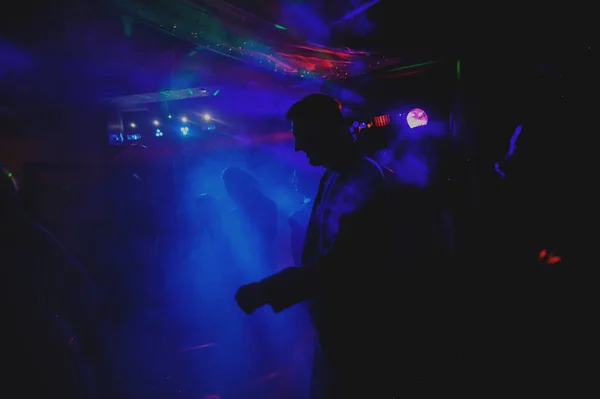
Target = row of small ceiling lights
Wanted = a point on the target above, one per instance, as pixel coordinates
(184, 119)
(184, 129)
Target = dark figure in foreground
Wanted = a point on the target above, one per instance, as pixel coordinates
(49, 307)
(346, 272)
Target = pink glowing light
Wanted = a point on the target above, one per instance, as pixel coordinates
(416, 117)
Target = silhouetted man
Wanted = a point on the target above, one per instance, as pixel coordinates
(346, 273)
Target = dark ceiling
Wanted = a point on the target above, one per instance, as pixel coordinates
(384, 26)
(89, 50)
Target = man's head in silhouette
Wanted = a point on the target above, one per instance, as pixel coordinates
(318, 128)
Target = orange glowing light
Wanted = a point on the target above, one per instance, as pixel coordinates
(339, 103)
(382, 120)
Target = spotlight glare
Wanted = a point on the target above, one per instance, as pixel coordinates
(156, 123)
(132, 125)
(184, 119)
(170, 116)
(206, 117)
(416, 117)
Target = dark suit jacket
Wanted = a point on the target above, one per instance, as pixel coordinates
(348, 273)
(298, 222)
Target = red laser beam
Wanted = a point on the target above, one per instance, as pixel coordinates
(339, 53)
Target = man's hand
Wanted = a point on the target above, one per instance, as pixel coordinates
(251, 297)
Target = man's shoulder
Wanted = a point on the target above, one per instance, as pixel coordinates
(368, 171)
(363, 182)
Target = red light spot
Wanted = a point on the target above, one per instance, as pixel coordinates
(548, 257)
(553, 259)
(71, 340)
